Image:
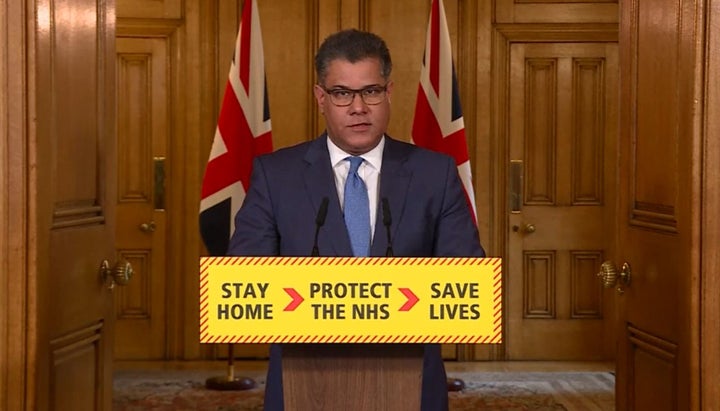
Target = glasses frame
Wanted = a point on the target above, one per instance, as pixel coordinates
(355, 92)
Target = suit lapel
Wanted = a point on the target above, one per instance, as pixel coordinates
(394, 183)
(320, 183)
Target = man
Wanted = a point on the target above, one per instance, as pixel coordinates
(430, 216)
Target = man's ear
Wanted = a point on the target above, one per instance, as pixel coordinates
(388, 89)
(320, 97)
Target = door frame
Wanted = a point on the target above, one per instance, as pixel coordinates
(18, 268)
(709, 336)
(504, 35)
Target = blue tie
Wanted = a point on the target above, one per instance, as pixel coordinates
(357, 210)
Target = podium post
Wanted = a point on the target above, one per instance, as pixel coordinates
(352, 376)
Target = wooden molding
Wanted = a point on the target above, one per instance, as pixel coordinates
(17, 324)
(710, 260)
(144, 27)
(558, 32)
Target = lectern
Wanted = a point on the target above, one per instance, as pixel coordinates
(370, 304)
(345, 377)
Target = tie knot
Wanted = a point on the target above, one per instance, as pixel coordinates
(354, 163)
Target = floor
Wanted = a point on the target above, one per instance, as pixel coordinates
(469, 366)
(531, 366)
(526, 385)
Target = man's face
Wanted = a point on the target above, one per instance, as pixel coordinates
(358, 127)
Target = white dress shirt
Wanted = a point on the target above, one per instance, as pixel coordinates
(369, 171)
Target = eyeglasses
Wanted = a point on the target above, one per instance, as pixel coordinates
(343, 97)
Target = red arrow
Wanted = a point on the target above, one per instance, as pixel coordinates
(412, 299)
(296, 299)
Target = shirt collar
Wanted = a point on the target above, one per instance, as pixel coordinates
(372, 157)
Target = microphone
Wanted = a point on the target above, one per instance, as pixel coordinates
(319, 221)
(387, 220)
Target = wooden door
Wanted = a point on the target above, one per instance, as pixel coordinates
(562, 143)
(72, 185)
(659, 209)
(143, 123)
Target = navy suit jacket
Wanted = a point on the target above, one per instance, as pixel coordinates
(430, 217)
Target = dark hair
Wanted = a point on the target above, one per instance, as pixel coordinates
(352, 45)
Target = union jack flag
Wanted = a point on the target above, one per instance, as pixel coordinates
(438, 123)
(243, 132)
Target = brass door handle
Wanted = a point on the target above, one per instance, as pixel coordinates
(527, 228)
(147, 227)
(609, 276)
(118, 275)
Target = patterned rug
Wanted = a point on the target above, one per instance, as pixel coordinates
(507, 391)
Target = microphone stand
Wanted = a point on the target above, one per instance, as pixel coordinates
(319, 222)
(387, 221)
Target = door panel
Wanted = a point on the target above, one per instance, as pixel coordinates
(658, 203)
(562, 142)
(74, 176)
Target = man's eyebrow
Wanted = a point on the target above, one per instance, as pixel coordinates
(341, 87)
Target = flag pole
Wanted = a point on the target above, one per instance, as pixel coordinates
(230, 382)
(227, 170)
(455, 384)
(439, 93)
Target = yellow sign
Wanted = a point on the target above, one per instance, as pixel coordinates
(350, 300)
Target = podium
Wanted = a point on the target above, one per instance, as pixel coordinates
(352, 330)
(352, 376)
